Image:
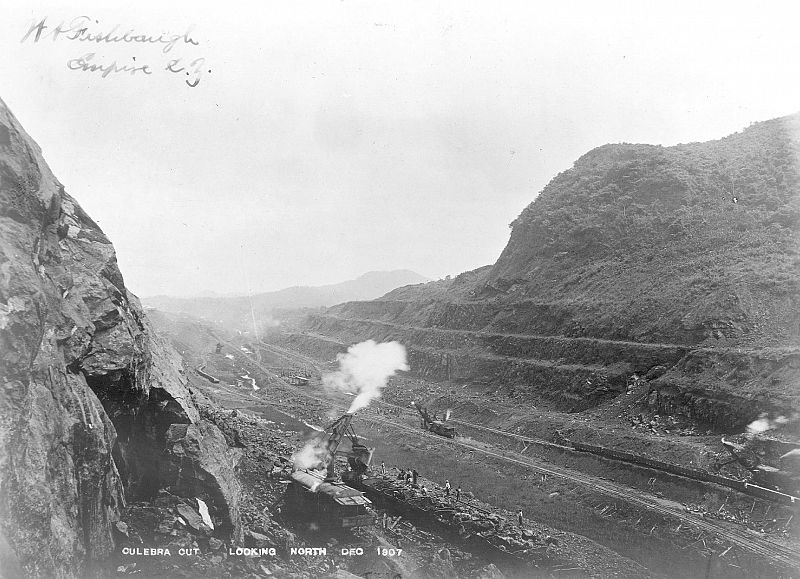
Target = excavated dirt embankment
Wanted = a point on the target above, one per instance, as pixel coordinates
(565, 372)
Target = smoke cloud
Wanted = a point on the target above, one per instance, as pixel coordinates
(312, 456)
(365, 368)
(764, 423)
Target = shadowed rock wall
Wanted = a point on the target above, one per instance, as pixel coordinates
(87, 391)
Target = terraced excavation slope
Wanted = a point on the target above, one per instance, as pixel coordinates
(675, 264)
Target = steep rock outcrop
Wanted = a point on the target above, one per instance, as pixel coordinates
(88, 391)
(200, 464)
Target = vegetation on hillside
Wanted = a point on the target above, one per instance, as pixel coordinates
(739, 192)
(696, 243)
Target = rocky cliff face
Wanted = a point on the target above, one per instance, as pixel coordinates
(88, 391)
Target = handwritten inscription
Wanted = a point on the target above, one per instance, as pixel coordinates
(82, 30)
(78, 29)
(195, 69)
(85, 63)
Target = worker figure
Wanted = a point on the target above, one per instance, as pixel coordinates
(414, 475)
(383, 468)
(458, 494)
(402, 475)
(519, 517)
(423, 490)
(383, 522)
(447, 488)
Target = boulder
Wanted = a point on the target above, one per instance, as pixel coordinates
(490, 572)
(214, 544)
(438, 567)
(192, 518)
(198, 463)
(253, 539)
(655, 372)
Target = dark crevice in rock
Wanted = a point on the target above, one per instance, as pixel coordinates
(141, 420)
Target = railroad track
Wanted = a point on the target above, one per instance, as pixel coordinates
(293, 357)
(743, 540)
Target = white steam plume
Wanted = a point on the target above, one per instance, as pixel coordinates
(365, 368)
(313, 455)
(764, 423)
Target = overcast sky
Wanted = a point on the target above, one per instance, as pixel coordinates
(334, 138)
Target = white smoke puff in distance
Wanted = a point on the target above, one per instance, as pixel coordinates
(757, 426)
(313, 455)
(764, 423)
(365, 368)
